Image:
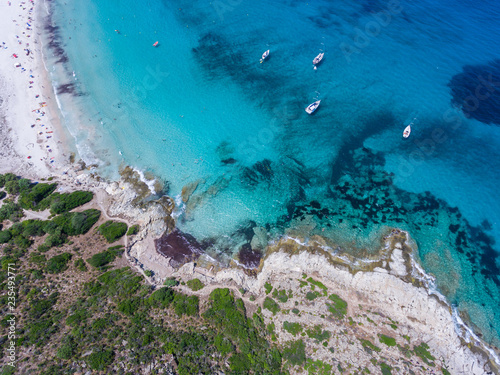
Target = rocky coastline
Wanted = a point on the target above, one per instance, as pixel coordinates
(389, 286)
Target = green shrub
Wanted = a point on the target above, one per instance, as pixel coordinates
(162, 296)
(58, 263)
(317, 283)
(22, 242)
(129, 306)
(386, 369)
(423, 352)
(100, 359)
(195, 284)
(148, 273)
(77, 318)
(293, 328)
(5, 236)
(223, 345)
(112, 230)
(311, 295)
(184, 305)
(271, 305)
(295, 352)
(12, 187)
(55, 239)
(170, 282)
(119, 282)
(280, 295)
(3, 194)
(80, 265)
(339, 306)
(268, 287)
(33, 228)
(37, 258)
(368, 345)
(11, 211)
(318, 334)
(101, 259)
(7, 177)
(67, 349)
(66, 202)
(75, 223)
(30, 198)
(134, 229)
(389, 341)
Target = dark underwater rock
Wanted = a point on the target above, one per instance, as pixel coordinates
(476, 91)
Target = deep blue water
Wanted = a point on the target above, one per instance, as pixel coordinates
(200, 107)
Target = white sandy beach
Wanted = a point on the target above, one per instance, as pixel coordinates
(31, 133)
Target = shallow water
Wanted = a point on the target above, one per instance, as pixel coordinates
(200, 109)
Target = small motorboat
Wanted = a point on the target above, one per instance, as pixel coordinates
(313, 106)
(407, 131)
(155, 44)
(318, 58)
(264, 56)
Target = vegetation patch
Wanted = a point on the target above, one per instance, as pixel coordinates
(318, 334)
(271, 305)
(80, 265)
(295, 353)
(422, 351)
(385, 368)
(11, 211)
(133, 230)
(195, 284)
(170, 282)
(112, 230)
(317, 283)
(387, 340)
(293, 328)
(100, 260)
(228, 317)
(100, 359)
(318, 367)
(58, 263)
(30, 198)
(65, 202)
(338, 308)
(268, 287)
(5, 236)
(280, 295)
(311, 295)
(367, 344)
(73, 223)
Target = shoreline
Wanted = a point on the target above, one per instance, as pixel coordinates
(29, 107)
(21, 141)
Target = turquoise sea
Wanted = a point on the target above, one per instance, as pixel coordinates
(201, 110)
